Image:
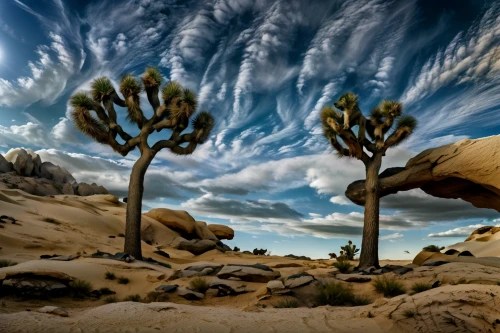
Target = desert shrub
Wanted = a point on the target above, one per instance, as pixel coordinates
(111, 299)
(156, 296)
(343, 266)
(388, 286)
(236, 249)
(199, 284)
(419, 287)
(133, 298)
(337, 293)
(50, 220)
(106, 291)
(7, 263)
(123, 280)
(433, 248)
(286, 303)
(110, 276)
(80, 288)
(409, 313)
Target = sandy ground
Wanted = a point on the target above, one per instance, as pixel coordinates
(467, 301)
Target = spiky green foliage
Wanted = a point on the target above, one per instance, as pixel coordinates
(171, 91)
(101, 87)
(336, 293)
(286, 303)
(347, 101)
(433, 248)
(419, 287)
(84, 121)
(203, 124)
(7, 263)
(408, 122)
(111, 299)
(388, 286)
(343, 266)
(133, 298)
(110, 276)
(350, 250)
(391, 109)
(152, 77)
(80, 288)
(130, 88)
(81, 100)
(199, 284)
(123, 280)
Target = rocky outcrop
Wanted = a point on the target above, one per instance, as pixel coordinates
(249, 273)
(23, 169)
(467, 169)
(195, 246)
(221, 231)
(177, 220)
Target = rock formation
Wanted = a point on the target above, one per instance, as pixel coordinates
(23, 169)
(467, 169)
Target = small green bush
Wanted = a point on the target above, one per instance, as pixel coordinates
(133, 298)
(110, 276)
(343, 266)
(388, 286)
(409, 313)
(50, 220)
(123, 280)
(106, 291)
(199, 284)
(80, 288)
(286, 303)
(419, 287)
(337, 293)
(7, 263)
(433, 248)
(111, 299)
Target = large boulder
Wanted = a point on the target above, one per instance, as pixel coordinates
(177, 220)
(22, 161)
(195, 246)
(203, 232)
(5, 166)
(221, 231)
(84, 189)
(249, 273)
(54, 172)
(467, 169)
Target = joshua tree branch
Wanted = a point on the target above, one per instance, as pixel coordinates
(370, 146)
(397, 137)
(338, 147)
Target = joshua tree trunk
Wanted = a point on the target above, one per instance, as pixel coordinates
(369, 246)
(134, 205)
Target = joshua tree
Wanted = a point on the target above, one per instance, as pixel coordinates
(350, 250)
(359, 146)
(179, 105)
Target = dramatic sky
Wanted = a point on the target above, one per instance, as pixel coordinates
(263, 68)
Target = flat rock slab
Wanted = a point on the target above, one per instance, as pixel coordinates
(298, 280)
(200, 266)
(275, 285)
(168, 288)
(249, 273)
(54, 310)
(227, 287)
(65, 258)
(189, 294)
(288, 264)
(403, 270)
(353, 278)
(436, 263)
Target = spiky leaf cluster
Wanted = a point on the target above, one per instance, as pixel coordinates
(325, 113)
(347, 101)
(182, 107)
(152, 77)
(203, 124)
(391, 108)
(84, 121)
(101, 87)
(408, 122)
(129, 86)
(170, 92)
(81, 100)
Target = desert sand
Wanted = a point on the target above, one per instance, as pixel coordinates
(467, 298)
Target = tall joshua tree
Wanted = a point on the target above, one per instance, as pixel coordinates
(368, 150)
(179, 105)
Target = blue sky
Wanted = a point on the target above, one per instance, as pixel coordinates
(264, 69)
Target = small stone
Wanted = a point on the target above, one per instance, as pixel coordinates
(353, 278)
(298, 280)
(275, 285)
(161, 253)
(167, 288)
(155, 277)
(112, 236)
(403, 270)
(53, 310)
